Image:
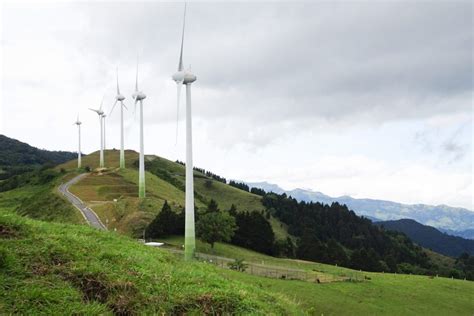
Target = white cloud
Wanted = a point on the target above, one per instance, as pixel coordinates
(359, 98)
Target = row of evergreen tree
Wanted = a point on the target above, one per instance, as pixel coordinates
(243, 186)
(334, 234)
(247, 229)
(206, 172)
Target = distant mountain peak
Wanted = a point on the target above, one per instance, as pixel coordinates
(447, 218)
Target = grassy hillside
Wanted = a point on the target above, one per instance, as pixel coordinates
(112, 194)
(48, 268)
(111, 158)
(41, 201)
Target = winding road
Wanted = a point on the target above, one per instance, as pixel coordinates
(89, 215)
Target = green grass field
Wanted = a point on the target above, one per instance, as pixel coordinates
(50, 269)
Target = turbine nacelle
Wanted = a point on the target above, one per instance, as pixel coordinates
(99, 112)
(119, 97)
(184, 76)
(138, 96)
(77, 123)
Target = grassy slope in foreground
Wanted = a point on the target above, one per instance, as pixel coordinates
(54, 268)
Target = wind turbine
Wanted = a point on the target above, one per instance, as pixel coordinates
(119, 98)
(186, 77)
(100, 113)
(103, 119)
(78, 123)
(139, 96)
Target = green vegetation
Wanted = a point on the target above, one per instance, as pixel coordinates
(431, 238)
(112, 193)
(253, 232)
(36, 196)
(383, 294)
(166, 223)
(17, 157)
(215, 226)
(46, 267)
(49, 268)
(380, 293)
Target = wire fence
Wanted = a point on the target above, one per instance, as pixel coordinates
(276, 272)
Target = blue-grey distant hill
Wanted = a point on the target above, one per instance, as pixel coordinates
(453, 220)
(431, 238)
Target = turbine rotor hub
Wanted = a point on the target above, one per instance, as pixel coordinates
(184, 76)
(139, 96)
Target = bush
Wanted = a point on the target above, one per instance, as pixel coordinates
(238, 265)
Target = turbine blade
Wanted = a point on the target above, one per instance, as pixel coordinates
(102, 102)
(180, 66)
(113, 107)
(180, 85)
(96, 111)
(123, 104)
(135, 109)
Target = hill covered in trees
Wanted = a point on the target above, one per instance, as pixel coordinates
(17, 157)
(430, 237)
(334, 234)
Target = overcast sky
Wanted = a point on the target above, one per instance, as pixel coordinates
(365, 99)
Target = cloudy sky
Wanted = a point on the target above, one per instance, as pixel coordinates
(366, 99)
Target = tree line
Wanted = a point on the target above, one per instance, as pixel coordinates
(206, 172)
(249, 229)
(319, 232)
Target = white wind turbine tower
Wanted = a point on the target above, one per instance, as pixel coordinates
(100, 113)
(119, 98)
(78, 123)
(139, 96)
(103, 119)
(186, 77)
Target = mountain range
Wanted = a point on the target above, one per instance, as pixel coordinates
(452, 220)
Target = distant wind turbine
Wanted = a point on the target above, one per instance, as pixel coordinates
(186, 77)
(100, 113)
(78, 123)
(119, 98)
(139, 96)
(103, 119)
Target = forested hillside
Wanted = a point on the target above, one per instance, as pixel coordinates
(17, 157)
(334, 234)
(431, 238)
